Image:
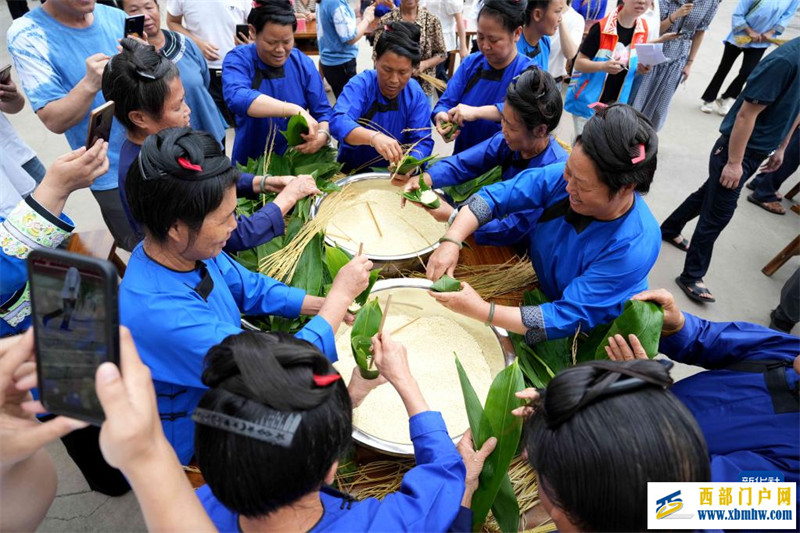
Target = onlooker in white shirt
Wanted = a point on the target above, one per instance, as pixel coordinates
(211, 24)
(564, 44)
(449, 13)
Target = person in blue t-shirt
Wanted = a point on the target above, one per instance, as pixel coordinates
(59, 51)
(337, 35)
(150, 97)
(530, 115)
(542, 19)
(277, 401)
(383, 112)
(270, 80)
(761, 121)
(474, 95)
(592, 246)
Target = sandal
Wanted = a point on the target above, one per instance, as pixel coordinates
(695, 291)
(773, 207)
(682, 245)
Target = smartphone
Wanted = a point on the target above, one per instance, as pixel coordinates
(679, 28)
(100, 120)
(134, 26)
(76, 328)
(5, 74)
(244, 29)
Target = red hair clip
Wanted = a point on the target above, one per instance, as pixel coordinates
(639, 158)
(188, 165)
(324, 381)
(598, 105)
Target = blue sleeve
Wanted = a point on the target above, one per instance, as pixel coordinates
(244, 187)
(257, 294)
(260, 227)
(419, 122)
(768, 81)
(719, 344)
(318, 105)
(430, 494)
(786, 17)
(198, 58)
(455, 89)
(738, 21)
(596, 296)
(237, 79)
(533, 188)
(468, 164)
(463, 521)
(349, 107)
(319, 333)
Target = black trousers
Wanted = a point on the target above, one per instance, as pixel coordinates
(17, 8)
(750, 59)
(714, 204)
(339, 75)
(215, 90)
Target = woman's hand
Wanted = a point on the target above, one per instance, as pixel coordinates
(21, 435)
(442, 261)
(313, 144)
(462, 113)
(389, 148)
(666, 37)
(643, 69)
(530, 395)
(440, 119)
(473, 461)
(673, 317)
(391, 359)
(618, 349)
(352, 278)
(612, 66)
(464, 302)
(682, 11)
(295, 190)
(359, 387)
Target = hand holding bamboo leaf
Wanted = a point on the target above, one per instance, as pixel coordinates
(465, 302)
(296, 189)
(473, 461)
(392, 362)
(359, 386)
(531, 396)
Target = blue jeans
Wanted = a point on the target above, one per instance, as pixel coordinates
(35, 169)
(767, 183)
(714, 204)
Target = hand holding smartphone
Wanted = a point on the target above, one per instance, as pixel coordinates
(76, 328)
(242, 33)
(5, 74)
(100, 121)
(134, 26)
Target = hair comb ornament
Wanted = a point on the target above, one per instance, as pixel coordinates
(276, 428)
(639, 158)
(324, 381)
(598, 105)
(188, 165)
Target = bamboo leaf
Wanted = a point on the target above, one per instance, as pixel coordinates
(643, 319)
(471, 402)
(452, 131)
(308, 275)
(424, 195)
(335, 259)
(408, 164)
(294, 129)
(366, 325)
(459, 193)
(446, 284)
(506, 507)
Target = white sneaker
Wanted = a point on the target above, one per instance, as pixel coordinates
(724, 105)
(707, 107)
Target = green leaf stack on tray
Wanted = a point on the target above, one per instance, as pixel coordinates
(540, 363)
(368, 321)
(495, 491)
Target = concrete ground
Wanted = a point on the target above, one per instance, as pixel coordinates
(743, 293)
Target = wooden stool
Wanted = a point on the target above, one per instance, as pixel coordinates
(97, 243)
(792, 249)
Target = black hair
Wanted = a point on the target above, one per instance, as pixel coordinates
(595, 448)
(250, 375)
(121, 4)
(274, 11)
(161, 190)
(535, 97)
(510, 13)
(613, 138)
(535, 4)
(402, 38)
(137, 79)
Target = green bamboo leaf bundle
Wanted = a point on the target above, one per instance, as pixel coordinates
(446, 284)
(459, 193)
(424, 195)
(336, 258)
(452, 131)
(366, 325)
(643, 319)
(295, 129)
(495, 491)
(408, 164)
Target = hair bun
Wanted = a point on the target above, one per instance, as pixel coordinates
(179, 152)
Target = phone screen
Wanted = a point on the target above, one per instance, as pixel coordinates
(134, 26)
(75, 326)
(5, 74)
(244, 29)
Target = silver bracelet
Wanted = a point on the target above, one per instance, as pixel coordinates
(263, 185)
(452, 217)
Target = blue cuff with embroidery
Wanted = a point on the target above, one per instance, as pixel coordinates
(533, 319)
(480, 208)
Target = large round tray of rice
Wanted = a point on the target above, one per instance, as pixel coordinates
(381, 421)
(407, 234)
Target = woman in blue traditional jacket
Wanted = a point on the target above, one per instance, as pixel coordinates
(267, 82)
(277, 402)
(531, 112)
(474, 94)
(181, 294)
(595, 241)
(149, 95)
(383, 112)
